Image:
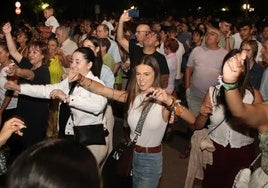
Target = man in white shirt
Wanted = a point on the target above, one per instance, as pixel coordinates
(67, 45)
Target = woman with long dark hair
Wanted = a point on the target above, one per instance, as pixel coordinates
(234, 145)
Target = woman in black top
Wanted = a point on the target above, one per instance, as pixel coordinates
(33, 111)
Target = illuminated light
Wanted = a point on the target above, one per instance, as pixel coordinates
(44, 5)
(17, 4)
(18, 11)
(225, 9)
(246, 6)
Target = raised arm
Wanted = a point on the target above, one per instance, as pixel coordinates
(255, 115)
(120, 31)
(10, 43)
(97, 88)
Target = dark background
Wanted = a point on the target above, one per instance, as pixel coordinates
(72, 9)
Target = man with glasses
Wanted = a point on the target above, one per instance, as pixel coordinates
(203, 68)
(142, 31)
(148, 42)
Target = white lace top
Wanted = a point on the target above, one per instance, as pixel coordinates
(225, 133)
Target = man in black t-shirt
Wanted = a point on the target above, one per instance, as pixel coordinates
(136, 52)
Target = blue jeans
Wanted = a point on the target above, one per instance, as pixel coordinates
(147, 169)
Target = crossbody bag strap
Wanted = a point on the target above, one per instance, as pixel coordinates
(215, 92)
(141, 120)
(216, 127)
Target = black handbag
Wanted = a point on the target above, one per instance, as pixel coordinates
(109, 175)
(85, 134)
(124, 155)
(90, 134)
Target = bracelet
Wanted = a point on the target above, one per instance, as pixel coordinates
(175, 106)
(229, 86)
(172, 105)
(181, 109)
(65, 98)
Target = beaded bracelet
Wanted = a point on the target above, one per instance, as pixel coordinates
(175, 105)
(169, 107)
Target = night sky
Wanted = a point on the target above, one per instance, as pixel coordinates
(68, 9)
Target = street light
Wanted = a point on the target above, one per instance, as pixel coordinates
(17, 5)
(246, 7)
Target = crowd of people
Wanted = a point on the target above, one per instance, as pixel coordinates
(89, 67)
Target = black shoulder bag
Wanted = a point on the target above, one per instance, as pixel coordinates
(84, 134)
(124, 162)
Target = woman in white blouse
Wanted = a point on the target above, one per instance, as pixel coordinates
(86, 107)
